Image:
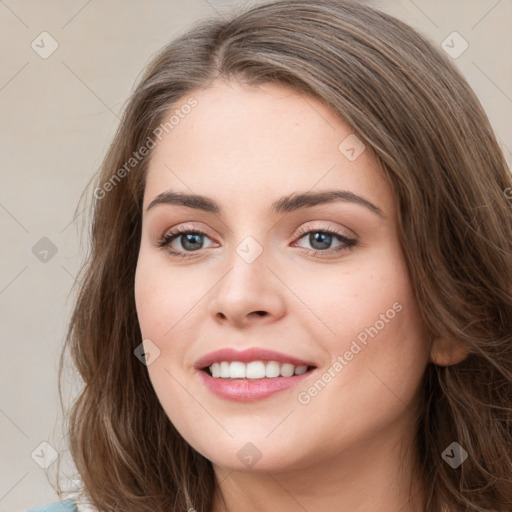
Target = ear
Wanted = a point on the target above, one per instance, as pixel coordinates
(447, 352)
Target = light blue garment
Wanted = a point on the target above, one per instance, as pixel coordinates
(58, 506)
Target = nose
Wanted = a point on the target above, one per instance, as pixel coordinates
(248, 292)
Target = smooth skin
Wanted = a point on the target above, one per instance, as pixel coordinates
(351, 447)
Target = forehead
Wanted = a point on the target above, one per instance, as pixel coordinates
(253, 144)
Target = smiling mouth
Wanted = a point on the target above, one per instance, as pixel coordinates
(254, 370)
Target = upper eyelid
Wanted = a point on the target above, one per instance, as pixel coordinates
(347, 241)
(303, 230)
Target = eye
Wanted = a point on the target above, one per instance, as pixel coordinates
(190, 240)
(322, 238)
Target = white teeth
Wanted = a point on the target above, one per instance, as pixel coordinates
(215, 369)
(287, 370)
(254, 370)
(272, 369)
(237, 370)
(224, 370)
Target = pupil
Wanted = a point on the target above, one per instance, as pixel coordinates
(192, 241)
(315, 237)
(192, 236)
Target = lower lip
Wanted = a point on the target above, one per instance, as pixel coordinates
(250, 390)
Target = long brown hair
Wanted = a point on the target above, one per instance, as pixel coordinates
(420, 119)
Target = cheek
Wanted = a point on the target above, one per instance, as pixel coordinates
(151, 306)
(162, 315)
(368, 316)
(347, 299)
(162, 297)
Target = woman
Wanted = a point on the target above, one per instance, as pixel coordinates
(298, 295)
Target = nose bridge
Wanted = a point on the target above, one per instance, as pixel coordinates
(250, 244)
(249, 285)
(248, 270)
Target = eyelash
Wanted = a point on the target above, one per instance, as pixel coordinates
(165, 241)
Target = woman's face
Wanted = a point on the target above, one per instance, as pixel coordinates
(321, 284)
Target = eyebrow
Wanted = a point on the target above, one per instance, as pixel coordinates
(286, 204)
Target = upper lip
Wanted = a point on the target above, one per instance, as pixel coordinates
(246, 356)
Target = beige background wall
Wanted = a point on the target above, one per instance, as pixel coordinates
(58, 115)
